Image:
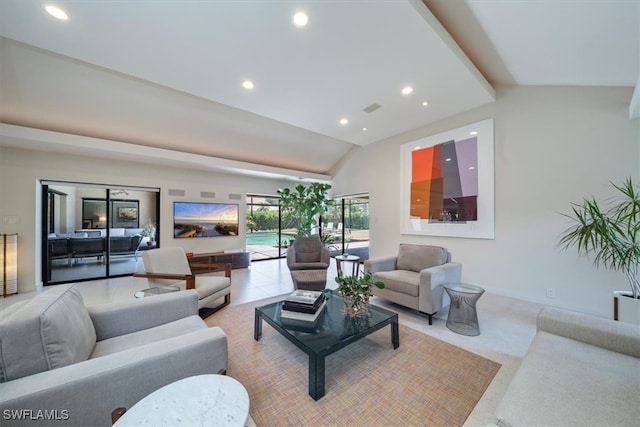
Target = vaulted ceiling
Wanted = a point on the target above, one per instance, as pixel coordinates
(166, 77)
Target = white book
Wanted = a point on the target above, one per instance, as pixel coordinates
(304, 296)
(306, 317)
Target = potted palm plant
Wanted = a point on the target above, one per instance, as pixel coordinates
(611, 234)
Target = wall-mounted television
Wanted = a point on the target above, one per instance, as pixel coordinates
(199, 219)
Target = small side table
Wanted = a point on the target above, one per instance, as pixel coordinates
(353, 259)
(463, 317)
(202, 400)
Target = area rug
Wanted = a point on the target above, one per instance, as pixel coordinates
(425, 382)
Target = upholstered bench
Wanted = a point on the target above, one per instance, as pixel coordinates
(310, 280)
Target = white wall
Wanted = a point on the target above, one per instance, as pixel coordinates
(22, 170)
(553, 145)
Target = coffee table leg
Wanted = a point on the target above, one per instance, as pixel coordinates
(257, 325)
(395, 334)
(316, 376)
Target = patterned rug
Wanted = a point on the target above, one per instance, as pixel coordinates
(425, 382)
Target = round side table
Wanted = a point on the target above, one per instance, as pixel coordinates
(463, 317)
(353, 259)
(202, 400)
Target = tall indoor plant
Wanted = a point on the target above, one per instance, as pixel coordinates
(305, 204)
(610, 232)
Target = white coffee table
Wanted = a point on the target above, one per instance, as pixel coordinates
(202, 400)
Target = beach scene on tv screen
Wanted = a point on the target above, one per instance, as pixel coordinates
(204, 219)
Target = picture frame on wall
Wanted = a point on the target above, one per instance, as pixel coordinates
(125, 213)
(447, 183)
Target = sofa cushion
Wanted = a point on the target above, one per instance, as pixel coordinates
(418, 257)
(403, 281)
(308, 256)
(116, 232)
(147, 336)
(564, 382)
(50, 331)
(132, 231)
(209, 285)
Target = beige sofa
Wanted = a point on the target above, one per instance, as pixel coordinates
(415, 277)
(64, 364)
(580, 370)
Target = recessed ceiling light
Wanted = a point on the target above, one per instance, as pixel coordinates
(364, 129)
(247, 84)
(344, 121)
(425, 103)
(448, 159)
(473, 133)
(407, 90)
(56, 12)
(300, 19)
(471, 168)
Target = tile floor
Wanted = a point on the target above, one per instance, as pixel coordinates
(507, 325)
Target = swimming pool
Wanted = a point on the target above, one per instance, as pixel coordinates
(263, 238)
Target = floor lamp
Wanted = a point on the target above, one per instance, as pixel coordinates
(9, 263)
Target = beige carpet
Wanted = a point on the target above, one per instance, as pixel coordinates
(425, 382)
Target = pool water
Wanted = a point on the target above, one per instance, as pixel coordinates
(263, 238)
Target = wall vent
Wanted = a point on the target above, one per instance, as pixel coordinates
(371, 108)
(234, 196)
(207, 194)
(175, 192)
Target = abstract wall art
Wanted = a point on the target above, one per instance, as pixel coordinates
(447, 183)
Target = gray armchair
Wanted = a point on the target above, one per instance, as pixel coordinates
(415, 277)
(308, 261)
(84, 362)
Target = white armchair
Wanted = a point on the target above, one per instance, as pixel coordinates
(415, 277)
(170, 267)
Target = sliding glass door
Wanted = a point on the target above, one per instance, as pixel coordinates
(93, 231)
(346, 226)
(265, 239)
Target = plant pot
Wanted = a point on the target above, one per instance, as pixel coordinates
(355, 306)
(625, 307)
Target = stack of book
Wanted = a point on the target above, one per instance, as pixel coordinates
(303, 305)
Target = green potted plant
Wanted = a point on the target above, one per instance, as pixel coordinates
(356, 292)
(305, 204)
(149, 231)
(610, 232)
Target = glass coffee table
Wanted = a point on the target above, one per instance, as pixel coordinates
(331, 332)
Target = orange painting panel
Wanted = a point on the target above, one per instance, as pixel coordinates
(419, 199)
(421, 164)
(426, 199)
